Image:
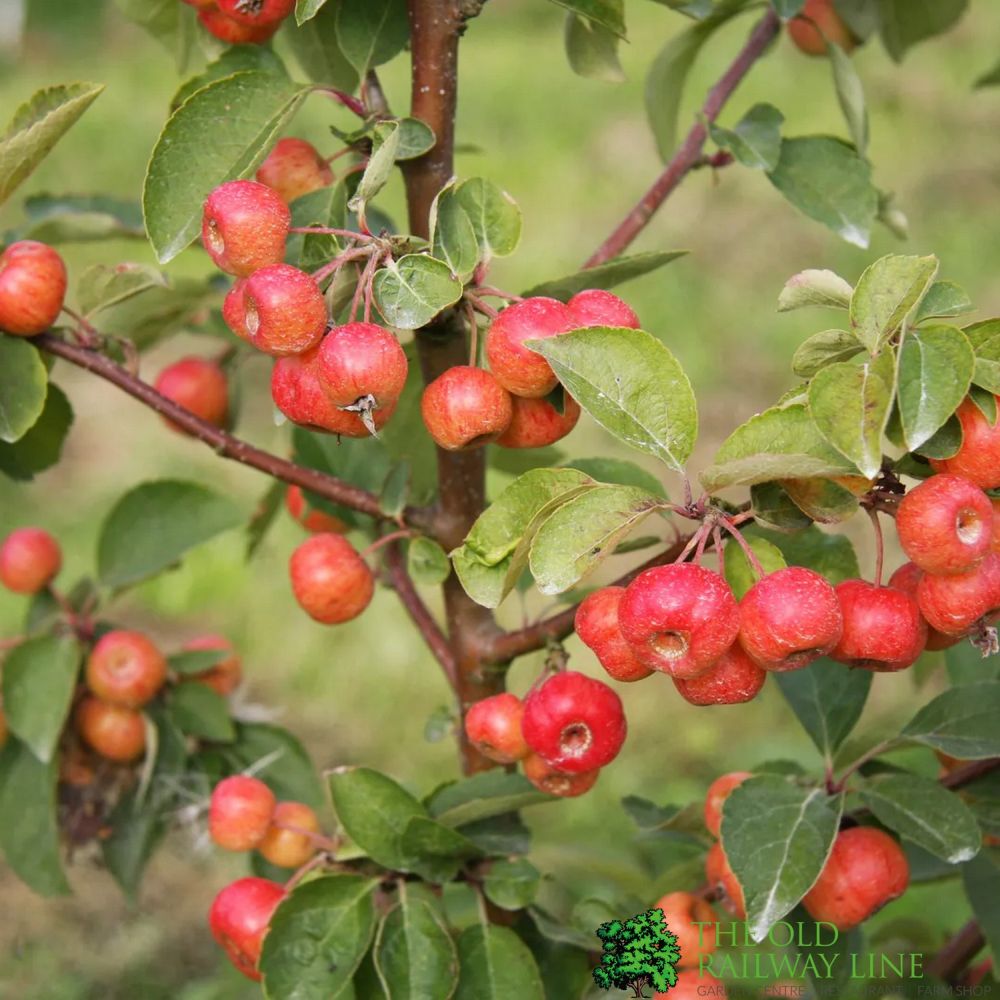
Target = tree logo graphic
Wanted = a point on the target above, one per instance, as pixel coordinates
(638, 952)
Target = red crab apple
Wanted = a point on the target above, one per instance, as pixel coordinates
(493, 727)
(298, 393)
(596, 307)
(465, 407)
(575, 723)
(226, 675)
(996, 524)
(240, 812)
(257, 12)
(721, 877)
(679, 618)
(125, 668)
(732, 680)
(232, 32)
(717, 794)
(244, 225)
(312, 519)
(945, 525)
(239, 919)
(279, 309)
(597, 626)
(294, 168)
(819, 23)
(883, 628)
(518, 368)
(288, 843)
(954, 604)
(907, 579)
(536, 423)
(978, 459)
(865, 870)
(331, 582)
(682, 912)
(199, 385)
(114, 732)
(789, 618)
(32, 288)
(552, 781)
(30, 558)
(692, 984)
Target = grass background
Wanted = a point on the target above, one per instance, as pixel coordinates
(574, 153)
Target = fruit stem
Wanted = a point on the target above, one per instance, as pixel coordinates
(480, 306)
(328, 844)
(393, 536)
(357, 253)
(841, 784)
(473, 334)
(747, 548)
(316, 861)
(879, 545)
(488, 291)
(349, 234)
(349, 102)
(364, 285)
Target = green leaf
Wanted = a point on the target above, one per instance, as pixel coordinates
(453, 239)
(606, 276)
(426, 838)
(496, 965)
(755, 140)
(821, 500)
(371, 32)
(981, 877)
(943, 300)
(740, 575)
(29, 826)
(37, 126)
(71, 218)
(278, 758)
(926, 814)
(411, 291)
(609, 14)
(887, 295)
(985, 340)
(512, 885)
(772, 507)
(305, 10)
(944, 444)
(826, 180)
(495, 217)
(961, 722)
(154, 524)
(583, 532)
(850, 405)
(629, 383)
(491, 793)
(620, 471)
(326, 208)
(380, 165)
(415, 138)
(592, 50)
(203, 144)
(172, 25)
(196, 661)
(40, 447)
(414, 953)
(200, 712)
(102, 286)
(317, 938)
(505, 834)
(815, 288)
(775, 873)
(965, 665)
(990, 78)
(23, 386)
(235, 59)
(822, 349)
(904, 23)
(317, 48)
(780, 443)
(427, 562)
(851, 95)
(936, 365)
(828, 699)
(831, 555)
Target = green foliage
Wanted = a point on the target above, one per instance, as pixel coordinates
(40, 447)
(23, 385)
(615, 272)
(636, 952)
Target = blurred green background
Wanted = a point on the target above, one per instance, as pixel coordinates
(574, 153)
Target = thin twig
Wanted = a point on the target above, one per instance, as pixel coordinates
(957, 953)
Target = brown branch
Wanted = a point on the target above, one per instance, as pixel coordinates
(225, 444)
(968, 773)
(420, 613)
(688, 153)
(955, 956)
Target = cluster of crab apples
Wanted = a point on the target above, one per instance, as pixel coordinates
(242, 22)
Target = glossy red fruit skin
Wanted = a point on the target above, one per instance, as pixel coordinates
(517, 368)
(256, 12)
(717, 794)
(536, 423)
(126, 669)
(244, 226)
(596, 307)
(199, 385)
(573, 722)
(233, 311)
(552, 781)
(239, 919)
(789, 618)
(299, 395)
(224, 678)
(240, 812)
(232, 32)
(597, 626)
(314, 521)
(945, 524)
(907, 578)
(954, 604)
(819, 22)
(32, 288)
(464, 408)
(679, 619)
(30, 558)
(286, 847)
(695, 985)
(732, 680)
(996, 524)
(331, 582)
(361, 359)
(294, 168)
(681, 912)
(493, 727)
(721, 877)
(114, 732)
(865, 870)
(883, 628)
(978, 460)
(283, 311)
